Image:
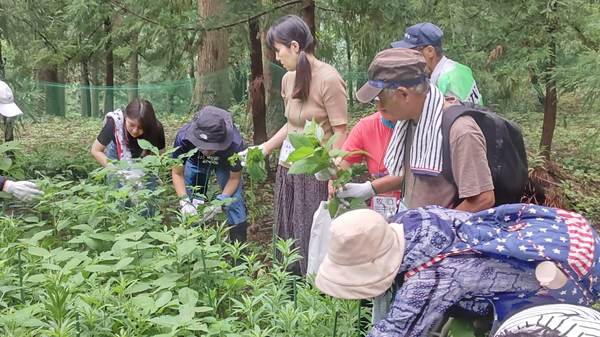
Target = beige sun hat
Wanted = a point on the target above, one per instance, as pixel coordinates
(363, 257)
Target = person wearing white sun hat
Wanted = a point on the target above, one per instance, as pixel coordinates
(8, 108)
(22, 190)
(439, 257)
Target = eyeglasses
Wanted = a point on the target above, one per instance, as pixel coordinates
(383, 96)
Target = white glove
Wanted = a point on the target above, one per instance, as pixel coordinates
(131, 175)
(325, 174)
(22, 190)
(243, 154)
(188, 207)
(352, 190)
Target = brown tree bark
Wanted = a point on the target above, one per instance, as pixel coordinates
(2, 63)
(191, 69)
(109, 103)
(257, 88)
(94, 97)
(86, 102)
(272, 74)
(9, 135)
(551, 97)
(212, 85)
(53, 102)
(308, 14)
(349, 65)
(268, 58)
(134, 72)
(550, 106)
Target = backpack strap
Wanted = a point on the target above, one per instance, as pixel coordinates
(448, 118)
(450, 115)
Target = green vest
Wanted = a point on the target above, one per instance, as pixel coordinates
(455, 79)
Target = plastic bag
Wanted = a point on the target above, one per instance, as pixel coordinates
(319, 238)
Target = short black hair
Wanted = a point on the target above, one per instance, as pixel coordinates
(532, 332)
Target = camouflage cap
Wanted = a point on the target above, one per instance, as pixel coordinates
(391, 69)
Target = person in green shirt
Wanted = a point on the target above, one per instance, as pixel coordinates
(452, 78)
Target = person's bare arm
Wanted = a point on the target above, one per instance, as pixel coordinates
(232, 184)
(340, 131)
(97, 152)
(477, 202)
(387, 184)
(178, 181)
(276, 141)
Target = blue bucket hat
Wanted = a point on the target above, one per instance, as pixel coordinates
(420, 35)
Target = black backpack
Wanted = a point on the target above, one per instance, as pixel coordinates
(505, 150)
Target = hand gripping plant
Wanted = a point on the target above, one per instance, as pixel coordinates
(313, 155)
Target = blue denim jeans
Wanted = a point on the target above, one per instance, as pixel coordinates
(199, 176)
(111, 151)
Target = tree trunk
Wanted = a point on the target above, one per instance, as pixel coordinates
(350, 78)
(109, 102)
(86, 103)
(212, 85)
(9, 135)
(191, 69)
(95, 100)
(134, 73)
(257, 88)
(550, 104)
(272, 74)
(308, 14)
(268, 58)
(53, 103)
(60, 91)
(2, 63)
(551, 99)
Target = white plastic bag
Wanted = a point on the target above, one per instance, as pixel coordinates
(319, 238)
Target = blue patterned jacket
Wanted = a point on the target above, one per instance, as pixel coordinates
(451, 256)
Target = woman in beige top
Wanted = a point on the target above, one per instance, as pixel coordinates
(311, 89)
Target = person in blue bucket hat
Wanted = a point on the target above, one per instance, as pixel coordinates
(212, 133)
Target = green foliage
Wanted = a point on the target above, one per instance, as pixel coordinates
(6, 150)
(310, 156)
(88, 261)
(255, 164)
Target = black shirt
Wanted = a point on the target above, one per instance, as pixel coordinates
(107, 135)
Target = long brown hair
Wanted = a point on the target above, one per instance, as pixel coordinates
(292, 28)
(143, 111)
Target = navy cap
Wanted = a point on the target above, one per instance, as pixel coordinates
(211, 129)
(420, 35)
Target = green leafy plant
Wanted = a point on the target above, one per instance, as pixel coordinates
(257, 173)
(254, 162)
(312, 155)
(84, 263)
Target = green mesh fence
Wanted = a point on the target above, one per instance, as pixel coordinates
(224, 88)
(227, 88)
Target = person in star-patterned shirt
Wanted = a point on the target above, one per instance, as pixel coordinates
(471, 259)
